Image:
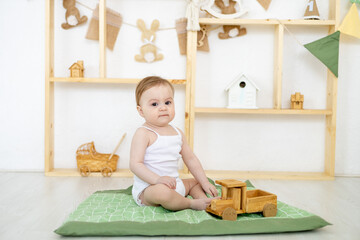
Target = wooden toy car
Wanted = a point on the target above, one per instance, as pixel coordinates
(236, 199)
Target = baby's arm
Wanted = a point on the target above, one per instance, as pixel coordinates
(139, 144)
(194, 165)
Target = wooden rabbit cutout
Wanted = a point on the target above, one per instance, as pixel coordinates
(148, 51)
(229, 30)
(72, 15)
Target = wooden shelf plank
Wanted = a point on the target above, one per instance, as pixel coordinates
(61, 172)
(308, 22)
(108, 80)
(240, 21)
(264, 111)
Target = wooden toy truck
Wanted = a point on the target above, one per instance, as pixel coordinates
(235, 199)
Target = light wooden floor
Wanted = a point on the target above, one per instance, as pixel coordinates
(32, 206)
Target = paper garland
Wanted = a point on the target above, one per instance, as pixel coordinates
(325, 49)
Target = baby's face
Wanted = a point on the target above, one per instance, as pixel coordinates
(157, 105)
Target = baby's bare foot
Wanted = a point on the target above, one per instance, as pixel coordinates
(200, 204)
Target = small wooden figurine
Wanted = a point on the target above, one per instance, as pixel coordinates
(235, 199)
(242, 92)
(311, 12)
(72, 15)
(77, 69)
(297, 101)
(148, 51)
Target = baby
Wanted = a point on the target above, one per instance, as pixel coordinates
(155, 150)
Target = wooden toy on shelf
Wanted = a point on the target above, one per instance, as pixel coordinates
(77, 69)
(72, 15)
(236, 199)
(311, 12)
(88, 160)
(242, 93)
(297, 101)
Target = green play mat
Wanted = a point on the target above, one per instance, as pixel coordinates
(114, 213)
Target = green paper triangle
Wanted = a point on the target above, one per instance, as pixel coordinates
(327, 51)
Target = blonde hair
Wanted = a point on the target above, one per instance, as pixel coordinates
(147, 83)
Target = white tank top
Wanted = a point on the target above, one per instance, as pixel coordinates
(161, 157)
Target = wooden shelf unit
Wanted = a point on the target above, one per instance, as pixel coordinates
(189, 82)
(329, 112)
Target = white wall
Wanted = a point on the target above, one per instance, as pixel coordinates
(103, 112)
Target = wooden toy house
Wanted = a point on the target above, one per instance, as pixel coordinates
(242, 92)
(77, 69)
(297, 101)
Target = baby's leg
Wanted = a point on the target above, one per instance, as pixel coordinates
(193, 188)
(160, 194)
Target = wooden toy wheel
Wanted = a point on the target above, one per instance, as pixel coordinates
(106, 172)
(270, 210)
(229, 214)
(84, 170)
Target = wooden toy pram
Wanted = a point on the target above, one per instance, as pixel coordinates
(88, 160)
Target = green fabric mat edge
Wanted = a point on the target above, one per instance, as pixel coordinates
(180, 228)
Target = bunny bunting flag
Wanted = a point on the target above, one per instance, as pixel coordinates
(148, 50)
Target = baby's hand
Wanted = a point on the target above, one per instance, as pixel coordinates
(210, 189)
(168, 181)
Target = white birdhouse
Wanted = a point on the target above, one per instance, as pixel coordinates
(242, 92)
